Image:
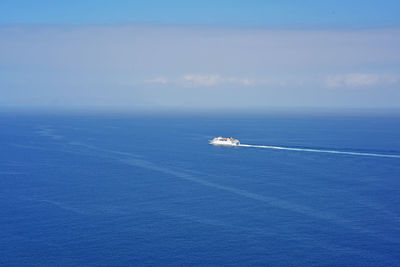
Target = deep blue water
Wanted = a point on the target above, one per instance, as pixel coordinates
(124, 190)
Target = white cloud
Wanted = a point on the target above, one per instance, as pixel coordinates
(241, 81)
(202, 80)
(247, 81)
(210, 80)
(360, 80)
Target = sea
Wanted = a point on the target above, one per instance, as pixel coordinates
(149, 190)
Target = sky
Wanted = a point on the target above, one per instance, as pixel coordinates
(199, 55)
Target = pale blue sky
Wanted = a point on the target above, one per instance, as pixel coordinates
(200, 55)
(343, 13)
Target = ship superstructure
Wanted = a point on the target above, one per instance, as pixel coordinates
(224, 141)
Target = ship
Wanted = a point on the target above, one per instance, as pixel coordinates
(224, 141)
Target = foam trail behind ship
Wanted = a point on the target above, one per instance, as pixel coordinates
(324, 151)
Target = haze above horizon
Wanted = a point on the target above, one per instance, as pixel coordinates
(200, 55)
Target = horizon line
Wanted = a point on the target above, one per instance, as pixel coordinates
(201, 111)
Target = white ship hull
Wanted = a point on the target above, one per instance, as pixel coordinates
(220, 141)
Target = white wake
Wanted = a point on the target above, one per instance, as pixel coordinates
(324, 151)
